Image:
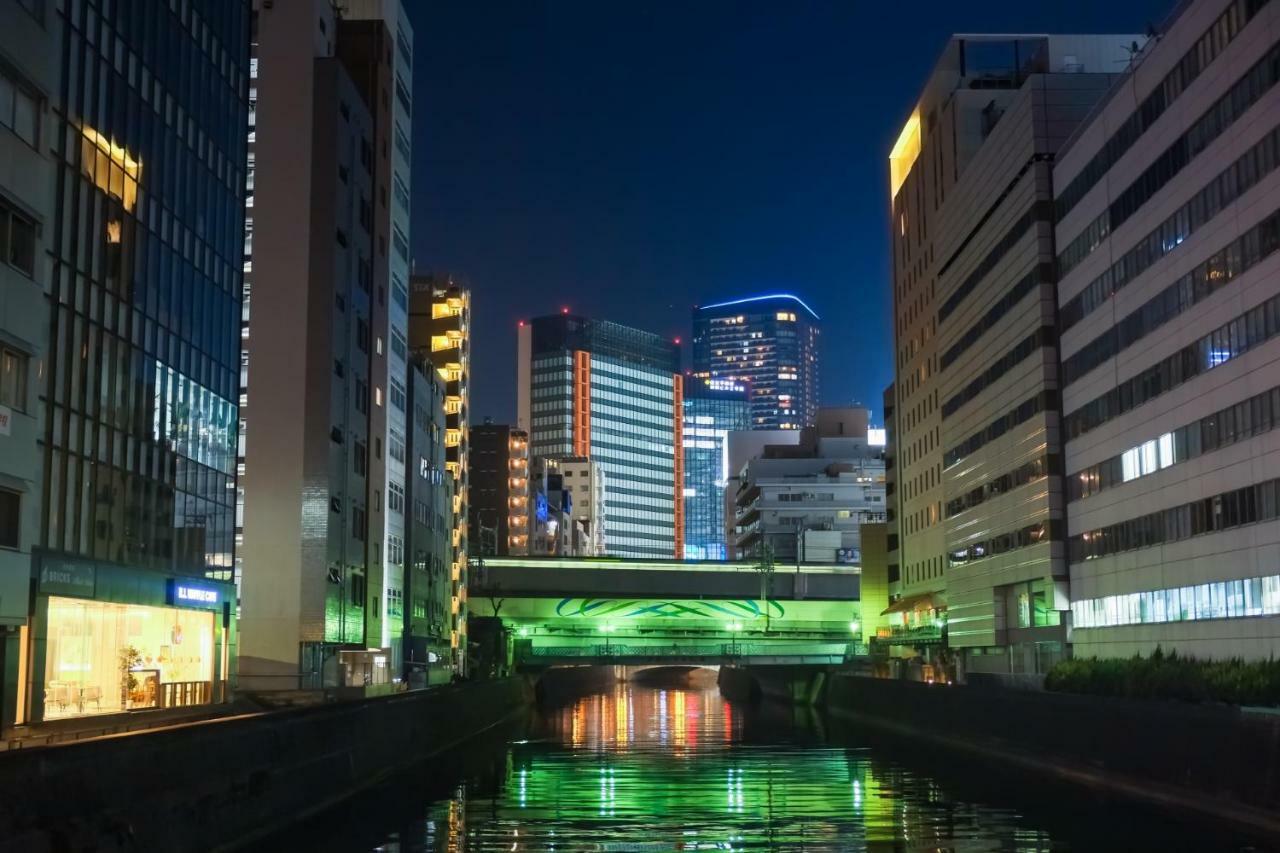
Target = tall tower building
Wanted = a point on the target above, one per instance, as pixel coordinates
(712, 409)
(1169, 303)
(323, 481)
(375, 45)
(27, 210)
(613, 394)
(769, 343)
(140, 258)
(976, 433)
(440, 331)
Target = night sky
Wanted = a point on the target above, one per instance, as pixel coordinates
(632, 159)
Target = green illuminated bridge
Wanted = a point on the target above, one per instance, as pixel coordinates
(608, 610)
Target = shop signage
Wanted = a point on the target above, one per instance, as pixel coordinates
(6, 418)
(193, 594)
(59, 577)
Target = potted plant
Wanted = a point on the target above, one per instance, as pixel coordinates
(128, 658)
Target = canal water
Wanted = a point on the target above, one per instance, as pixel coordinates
(679, 768)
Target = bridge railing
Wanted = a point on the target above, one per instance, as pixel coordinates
(728, 650)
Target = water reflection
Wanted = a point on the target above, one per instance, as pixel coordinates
(644, 769)
(641, 768)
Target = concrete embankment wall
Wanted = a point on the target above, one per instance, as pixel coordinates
(222, 783)
(1211, 759)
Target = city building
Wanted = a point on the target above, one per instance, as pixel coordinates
(440, 331)
(428, 544)
(140, 256)
(807, 501)
(1168, 201)
(27, 84)
(712, 409)
(375, 46)
(585, 481)
(741, 448)
(769, 343)
(324, 418)
(976, 451)
(613, 394)
(553, 531)
(498, 474)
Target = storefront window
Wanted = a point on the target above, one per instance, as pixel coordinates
(104, 658)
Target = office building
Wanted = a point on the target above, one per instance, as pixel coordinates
(712, 409)
(26, 215)
(977, 429)
(613, 394)
(498, 475)
(1168, 202)
(585, 481)
(325, 419)
(428, 545)
(375, 46)
(553, 531)
(806, 501)
(769, 343)
(440, 331)
(139, 255)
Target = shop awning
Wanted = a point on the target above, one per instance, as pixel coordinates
(924, 601)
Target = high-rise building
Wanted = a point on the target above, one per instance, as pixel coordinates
(769, 343)
(712, 409)
(806, 501)
(1168, 203)
(613, 394)
(498, 475)
(325, 397)
(428, 544)
(440, 331)
(977, 432)
(26, 214)
(140, 257)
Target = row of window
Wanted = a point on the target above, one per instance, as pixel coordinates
(1255, 164)
(1213, 123)
(1029, 472)
(1202, 282)
(1254, 416)
(1041, 275)
(1045, 401)
(1220, 600)
(1040, 211)
(1045, 336)
(1218, 347)
(1033, 534)
(1208, 515)
(1207, 48)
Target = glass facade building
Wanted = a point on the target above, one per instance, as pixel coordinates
(769, 342)
(712, 409)
(600, 390)
(147, 132)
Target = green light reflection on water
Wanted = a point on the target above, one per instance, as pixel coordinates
(654, 770)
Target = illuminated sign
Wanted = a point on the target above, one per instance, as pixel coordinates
(193, 594)
(877, 437)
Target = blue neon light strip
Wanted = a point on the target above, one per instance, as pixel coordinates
(761, 299)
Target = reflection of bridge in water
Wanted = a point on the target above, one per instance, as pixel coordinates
(606, 610)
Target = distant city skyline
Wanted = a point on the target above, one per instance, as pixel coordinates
(558, 164)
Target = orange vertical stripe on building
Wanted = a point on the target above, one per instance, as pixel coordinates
(581, 403)
(677, 432)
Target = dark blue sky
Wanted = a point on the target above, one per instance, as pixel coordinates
(631, 159)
